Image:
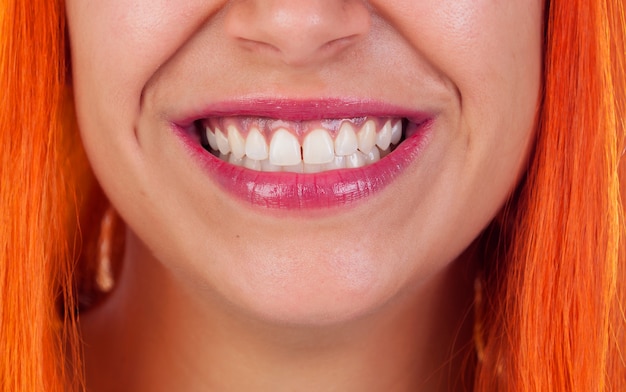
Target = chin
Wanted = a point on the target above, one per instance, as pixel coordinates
(331, 292)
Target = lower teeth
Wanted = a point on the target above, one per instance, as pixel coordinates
(358, 159)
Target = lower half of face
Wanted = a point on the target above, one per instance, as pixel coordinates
(306, 161)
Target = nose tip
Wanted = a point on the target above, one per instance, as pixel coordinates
(298, 31)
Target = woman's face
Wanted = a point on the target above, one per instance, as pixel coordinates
(300, 85)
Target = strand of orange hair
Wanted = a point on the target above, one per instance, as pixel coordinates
(36, 201)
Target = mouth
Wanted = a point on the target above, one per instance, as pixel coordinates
(303, 155)
(315, 146)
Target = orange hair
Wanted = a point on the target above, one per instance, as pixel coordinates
(551, 313)
(554, 317)
(37, 199)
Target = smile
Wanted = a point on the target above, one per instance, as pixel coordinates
(300, 147)
(303, 155)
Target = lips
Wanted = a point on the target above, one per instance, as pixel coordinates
(305, 161)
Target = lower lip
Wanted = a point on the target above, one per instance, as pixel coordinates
(297, 191)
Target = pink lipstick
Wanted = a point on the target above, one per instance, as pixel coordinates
(295, 155)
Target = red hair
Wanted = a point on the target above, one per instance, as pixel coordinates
(551, 311)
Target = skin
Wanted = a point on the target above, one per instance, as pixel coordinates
(219, 295)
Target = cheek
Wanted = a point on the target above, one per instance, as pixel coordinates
(489, 53)
(488, 49)
(492, 53)
(117, 45)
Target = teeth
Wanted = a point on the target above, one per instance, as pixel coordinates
(313, 168)
(234, 160)
(222, 142)
(367, 136)
(372, 156)
(210, 136)
(318, 147)
(266, 166)
(384, 136)
(252, 164)
(396, 133)
(256, 147)
(319, 152)
(346, 142)
(297, 168)
(355, 160)
(236, 141)
(338, 163)
(284, 149)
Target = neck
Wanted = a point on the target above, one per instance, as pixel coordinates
(153, 334)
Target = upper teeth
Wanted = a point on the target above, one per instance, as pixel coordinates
(325, 145)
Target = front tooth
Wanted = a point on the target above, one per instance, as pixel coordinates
(318, 147)
(210, 137)
(256, 147)
(355, 160)
(236, 141)
(396, 133)
(384, 136)
(367, 136)
(346, 142)
(284, 149)
(222, 142)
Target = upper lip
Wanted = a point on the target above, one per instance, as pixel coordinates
(301, 110)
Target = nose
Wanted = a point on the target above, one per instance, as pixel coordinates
(298, 32)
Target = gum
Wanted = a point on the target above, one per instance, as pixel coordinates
(300, 129)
